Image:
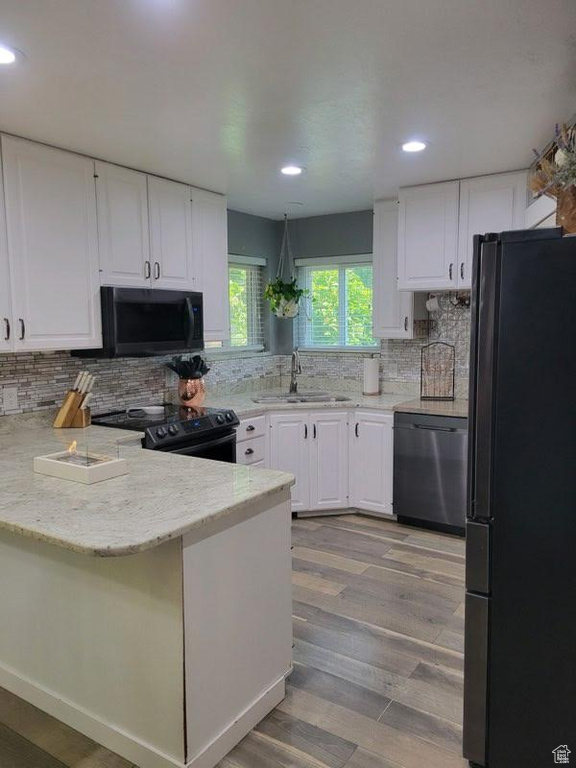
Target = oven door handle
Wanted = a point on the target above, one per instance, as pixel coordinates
(192, 450)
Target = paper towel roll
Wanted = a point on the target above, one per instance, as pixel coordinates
(371, 376)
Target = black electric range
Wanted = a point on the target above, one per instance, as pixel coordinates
(202, 432)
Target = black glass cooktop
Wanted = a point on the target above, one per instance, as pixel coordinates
(150, 416)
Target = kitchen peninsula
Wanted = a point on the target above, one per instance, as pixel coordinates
(151, 612)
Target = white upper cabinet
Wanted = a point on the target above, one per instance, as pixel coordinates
(123, 231)
(6, 321)
(494, 203)
(428, 237)
(171, 246)
(371, 461)
(52, 247)
(329, 460)
(210, 237)
(393, 310)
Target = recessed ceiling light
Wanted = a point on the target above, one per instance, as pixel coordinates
(7, 55)
(291, 170)
(414, 146)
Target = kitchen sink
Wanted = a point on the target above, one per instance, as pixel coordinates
(302, 397)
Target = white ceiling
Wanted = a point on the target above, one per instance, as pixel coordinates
(221, 93)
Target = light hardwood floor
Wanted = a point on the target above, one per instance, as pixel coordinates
(378, 660)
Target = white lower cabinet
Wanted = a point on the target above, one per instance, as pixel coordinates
(290, 452)
(328, 460)
(340, 459)
(371, 459)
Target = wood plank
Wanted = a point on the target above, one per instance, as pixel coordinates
(443, 733)
(409, 751)
(55, 739)
(444, 679)
(417, 693)
(285, 730)
(375, 650)
(16, 752)
(452, 640)
(364, 759)
(316, 583)
(370, 611)
(378, 641)
(333, 561)
(258, 751)
(338, 690)
(430, 562)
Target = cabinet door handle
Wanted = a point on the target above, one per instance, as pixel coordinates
(462, 271)
(22, 329)
(450, 271)
(147, 270)
(305, 431)
(405, 323)
(7, 324)
(314, 431)
(248, 451)
(356, 429)
(250, 428)
(156, 270)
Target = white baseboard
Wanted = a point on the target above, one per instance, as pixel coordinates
(142, 754)
(235, 732)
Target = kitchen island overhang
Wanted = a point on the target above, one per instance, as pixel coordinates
(167, 654)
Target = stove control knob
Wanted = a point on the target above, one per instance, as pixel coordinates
(173, 429)
(229, 416)
(219, 419)
(161, 432)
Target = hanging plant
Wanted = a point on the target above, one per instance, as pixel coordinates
(284, 297)
(283, 293)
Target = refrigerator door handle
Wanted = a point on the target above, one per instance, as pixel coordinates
(486, 264)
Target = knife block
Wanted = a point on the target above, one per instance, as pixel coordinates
(70, 414)
(82, 419)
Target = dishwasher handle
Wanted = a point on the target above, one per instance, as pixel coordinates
(434, 428)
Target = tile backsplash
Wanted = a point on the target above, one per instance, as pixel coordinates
(399, 359)
(42, 378)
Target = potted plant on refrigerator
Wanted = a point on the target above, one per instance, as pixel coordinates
(555, 175)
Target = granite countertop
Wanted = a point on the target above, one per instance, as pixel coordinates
(244, 406)
(457, 408)
(163, 497)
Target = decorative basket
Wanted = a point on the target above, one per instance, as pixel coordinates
(437, 371)
(566, 209)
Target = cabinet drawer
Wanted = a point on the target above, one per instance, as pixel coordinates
(251, 451)
(250, 428)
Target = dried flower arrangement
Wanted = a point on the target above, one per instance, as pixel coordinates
(555, 175)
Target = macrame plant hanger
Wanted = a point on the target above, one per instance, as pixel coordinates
(284, 295)
(286, 261)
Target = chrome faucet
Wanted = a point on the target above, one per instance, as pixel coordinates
(295, 369)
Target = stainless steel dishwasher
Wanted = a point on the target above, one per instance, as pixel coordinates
(430, 466)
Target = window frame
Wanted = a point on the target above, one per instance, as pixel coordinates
(340, 262)
(227, 348)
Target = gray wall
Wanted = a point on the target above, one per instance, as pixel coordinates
(339, 234)
(256, 236)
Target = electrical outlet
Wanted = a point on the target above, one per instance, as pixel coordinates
(10, 398)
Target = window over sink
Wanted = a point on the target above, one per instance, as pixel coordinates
(336, 312)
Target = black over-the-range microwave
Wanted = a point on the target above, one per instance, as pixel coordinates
(140, 322)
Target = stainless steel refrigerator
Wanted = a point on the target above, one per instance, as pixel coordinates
(520, 647)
